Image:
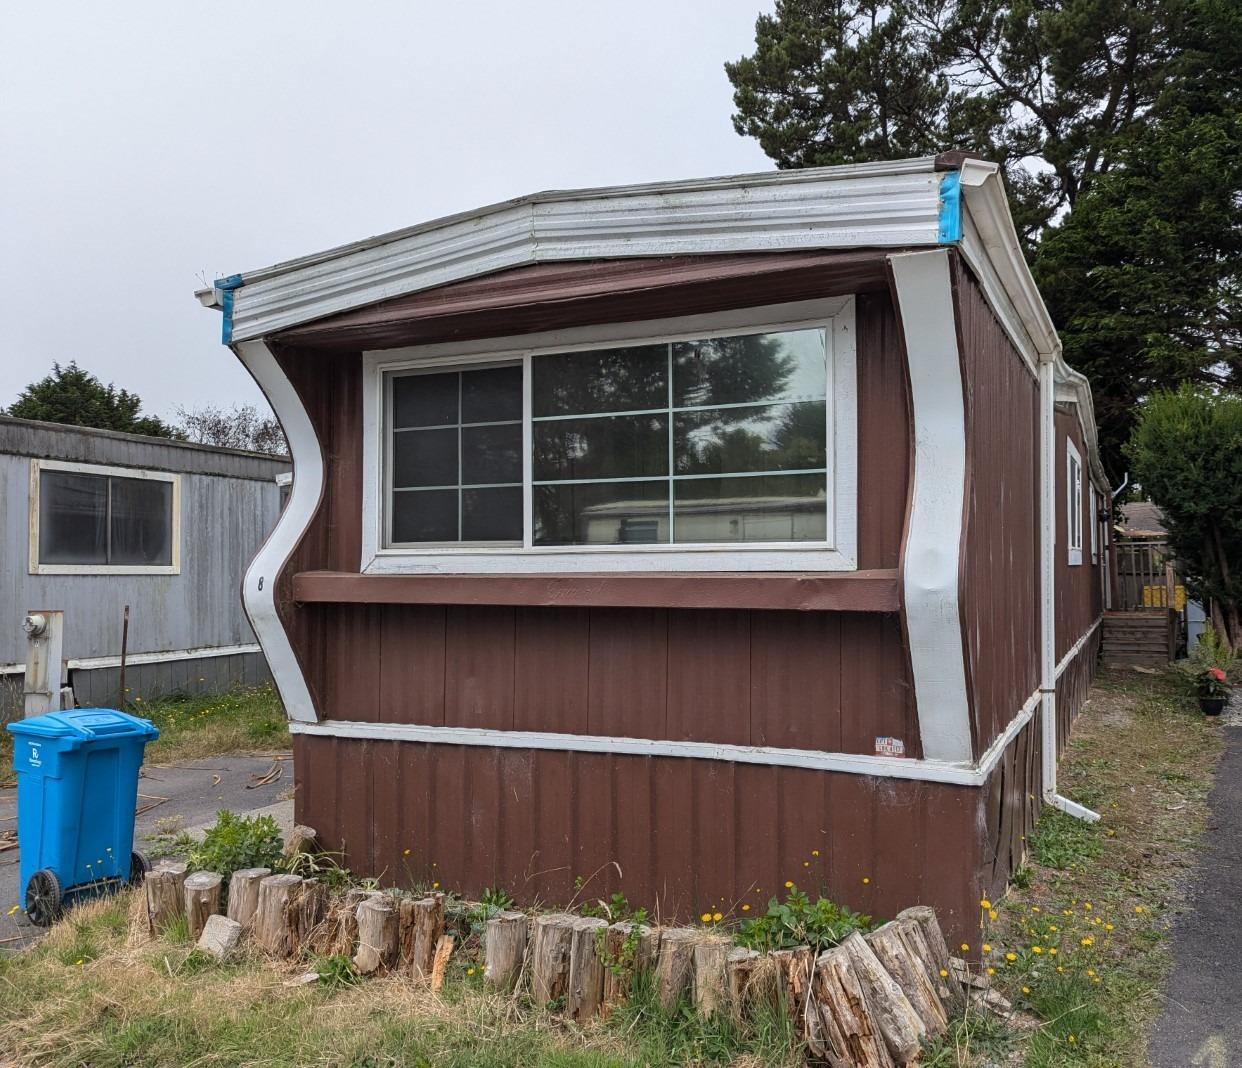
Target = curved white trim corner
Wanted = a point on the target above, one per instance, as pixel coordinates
(259, 585)
(933, 542)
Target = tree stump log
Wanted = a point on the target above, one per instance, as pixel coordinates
(378, 945)
(165, 892)
(420, 926)
(504, 949)
(439, 960)
(302, 839)
(202, 899)
(711, 970)
(953, 997)
(740, 968)
(796, 967)
(586, 969)
(310, 912)
(244, 895)
(839, 1025)
(674, 970)
(627, 951)
(895, 945)
(550, 955)
(275, 923)
(900, 1024)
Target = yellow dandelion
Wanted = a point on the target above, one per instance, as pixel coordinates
(717, 917)
(1037, 949)
(814, 852)
(1036, 908)
(866, 879)
(1070, 1038)
(1109, 927)
(985, 904)
(1067, 912)
(1096, 979)
(806, 863)
(1087, 941)
(1052, 952)
(991, 971)
(745, 908)
(788, 884)
(470, 971)
(1087, 905)
(435, 886)
(1011, 956)
(1053, 927)
(1139, 909)
(1026, 990)
(706, 917)
(944, 974)
(78, 962)
(992, 914)
(1091, 971)
(405, 852)
(987, 947)
(1060, 969)
(965, 947)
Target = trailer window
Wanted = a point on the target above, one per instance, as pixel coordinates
(90, 519)
(1073, 503)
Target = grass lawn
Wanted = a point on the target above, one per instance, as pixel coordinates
(1079, 943)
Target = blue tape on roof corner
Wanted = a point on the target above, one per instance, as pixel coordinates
(951, 207)
(226, 287)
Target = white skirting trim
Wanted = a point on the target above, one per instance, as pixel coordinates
(940, 771)
(92, 663)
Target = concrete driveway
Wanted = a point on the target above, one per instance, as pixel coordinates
(194, 790)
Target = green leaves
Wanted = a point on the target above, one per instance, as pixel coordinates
(798, 921)
(235, 842)
(74, 396)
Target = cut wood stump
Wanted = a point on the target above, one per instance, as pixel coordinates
(244, 895)
(674, 970)
(899, 1023)
(165, 893)
(839, 1026)
(378, 946)
(937, 955)
(275, 922)
(550, 955)
(202, 899)
(740, 969)
(586, 969)
(504, 949)
(711, 971)
(795, 967)
(440, 959)
(310, 911)
(420, 926)
(626, 954)
(896, 944)
(302, 839)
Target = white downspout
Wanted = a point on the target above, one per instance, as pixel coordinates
(1048, 560)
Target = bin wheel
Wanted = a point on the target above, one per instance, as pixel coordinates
(138, 868)
(45, 899)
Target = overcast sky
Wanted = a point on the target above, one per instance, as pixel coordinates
(146, 148)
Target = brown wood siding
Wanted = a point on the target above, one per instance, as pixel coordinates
(677, 836)
(727, 674)
(1078, 592)
(1000, 548)
(816, 680)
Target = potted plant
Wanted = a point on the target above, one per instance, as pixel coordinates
(1213, 689)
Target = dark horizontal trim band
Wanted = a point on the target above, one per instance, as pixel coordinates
(846, 591)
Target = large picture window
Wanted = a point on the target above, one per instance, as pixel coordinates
(87, 519)
(699, 441)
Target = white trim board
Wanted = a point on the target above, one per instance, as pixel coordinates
(932, 553)
(926, 770)
(835, 315)
(93, 663)
(259, 583)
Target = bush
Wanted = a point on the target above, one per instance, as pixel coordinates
(236, 842)
(798, 921)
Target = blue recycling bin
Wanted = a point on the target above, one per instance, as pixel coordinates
(77, 784)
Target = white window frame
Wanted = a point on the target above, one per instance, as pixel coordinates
(1073, 503)
(837, 553)
(1093, 504)
(38, 568)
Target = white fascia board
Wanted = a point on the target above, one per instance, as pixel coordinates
(893, 205)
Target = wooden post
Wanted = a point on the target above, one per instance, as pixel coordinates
(711, 961)
(795, 967)
(202, 899)
(620, 966)
(377, 936)
(586, 969)
(505, 949)
(420, 924)
(275, 924)
(244, 895)
(550, 955)
(840, 1028)
(740, 966)
(311, 910)
(165, 891)
(439, 960)
(301, 840)
(937, 956)
(674, 971)
(900, 1025)
(896, 945)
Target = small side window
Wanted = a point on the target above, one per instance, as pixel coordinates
(1073, 503)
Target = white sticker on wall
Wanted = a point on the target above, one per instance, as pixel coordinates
(886, 746)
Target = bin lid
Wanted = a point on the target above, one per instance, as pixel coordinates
(85, 724)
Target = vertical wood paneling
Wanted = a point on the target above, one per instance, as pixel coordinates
(479, 667)
(876, 695)
(411, 664)
(709, 676)
(628, 684)
(795, 693)
(552, 669)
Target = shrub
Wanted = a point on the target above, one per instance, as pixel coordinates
(236, 842)
(799, 921)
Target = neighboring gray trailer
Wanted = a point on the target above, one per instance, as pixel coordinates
(95, 520)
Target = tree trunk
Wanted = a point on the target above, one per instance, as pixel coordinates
(301, 840)
(165, 890)
(895, 944)
(674, 971)
(840, 1029)
(202, 899)
(505, 950)
(275, 924)
(420, 925)
(586, 969)
(553, 944)
(377, 936)
(711, 966)
(244, 895)
(900, 1024)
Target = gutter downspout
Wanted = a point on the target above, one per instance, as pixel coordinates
(1047, 567)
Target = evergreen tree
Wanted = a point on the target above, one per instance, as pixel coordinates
(74, 396)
